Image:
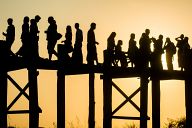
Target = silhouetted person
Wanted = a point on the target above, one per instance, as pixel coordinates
(170, 51)
(51, 37)
(24, 50)
(68, 48)
(133, 51)
(186, 49)
(77, 55)
(156, 55)
(180, 51)
(111, 42)
(10, 34)
(111, 46)
(120, 55)
(145, 49)
(34, 37)
(91, 46)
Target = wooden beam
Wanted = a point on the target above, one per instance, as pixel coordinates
(60, 99)
(188, 99)
(128, 99)
(3, 100)
(128, 118)
(17, 97)
(144, 100)
(155, 102)
(33, 98)
(91, 100)
(107, 92)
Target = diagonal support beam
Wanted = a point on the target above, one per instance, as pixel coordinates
(22, 92)
(17, 97)
(128, 98)
(18, 87)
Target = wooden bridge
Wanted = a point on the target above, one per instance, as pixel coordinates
(108, 73)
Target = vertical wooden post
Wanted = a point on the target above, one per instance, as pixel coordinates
(61, 89)
(33, 98)
(3, 99)
(60, 99)
(107, 91)
(188, 101)
(155, 102)
(91, 100)
(143, 101)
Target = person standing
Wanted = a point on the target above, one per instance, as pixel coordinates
(179, 45)
(34, 36)
(91, 46)
(156, 54)
(133, 51)
(77, 55)
(145, 49)
(170, 51)
(10, 35)
(51, 37)
(186, 51)
(23, 51)
(111, 42)
(111, 47)
(67, 47)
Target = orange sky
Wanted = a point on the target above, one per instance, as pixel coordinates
(167, 17)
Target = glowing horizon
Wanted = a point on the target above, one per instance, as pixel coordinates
(169, 18)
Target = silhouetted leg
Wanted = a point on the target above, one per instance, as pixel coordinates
(3, 100)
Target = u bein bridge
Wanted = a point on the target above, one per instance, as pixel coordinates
(108, 73)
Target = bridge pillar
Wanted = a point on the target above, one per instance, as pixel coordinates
(144, 100)
(3, 101)
(63, 62)
(91, 100)
(155, 102)
(107, 92)
(33, 98)
(188, 101)
(60, 99)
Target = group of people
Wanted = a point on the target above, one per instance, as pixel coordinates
(30, 37)
(138, 56)
(141, 56)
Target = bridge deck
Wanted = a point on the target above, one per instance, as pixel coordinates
(116, 72)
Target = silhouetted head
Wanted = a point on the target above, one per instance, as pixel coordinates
(186, 39)
(168, 39)
(50, 19)
(68, 28)
(37, 18)
(147, 31)
(10, 21)
(77, 25)
(120, 42)
(113, 34)
(26, 19)
(32, 21)
(181, 36)
(132, 36)
(93, 26)
(160, 37)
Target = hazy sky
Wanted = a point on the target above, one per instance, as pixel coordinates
(167, 17)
